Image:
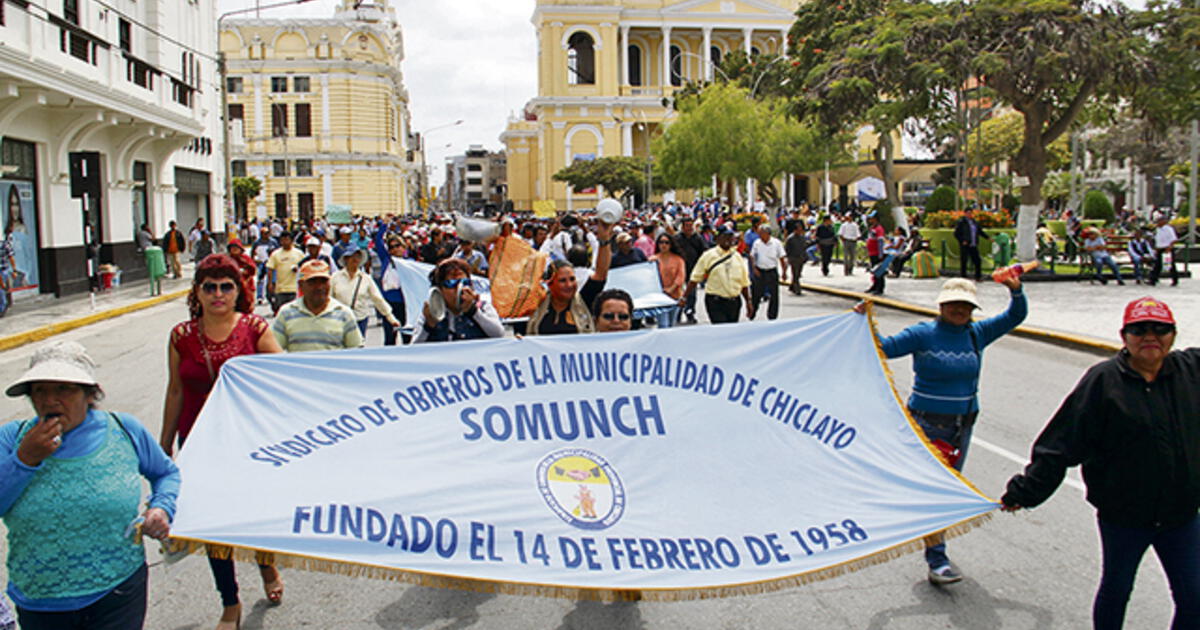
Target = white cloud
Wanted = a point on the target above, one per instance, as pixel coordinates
(473, 60)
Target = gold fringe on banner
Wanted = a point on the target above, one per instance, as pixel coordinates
(434, 580)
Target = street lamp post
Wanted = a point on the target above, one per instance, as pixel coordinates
(222, 72)
(424, 144)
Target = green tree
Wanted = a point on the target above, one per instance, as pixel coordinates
(722, 132)
(1173, 97)
(245, 189)
(619, 175)
(942, 198)
(1044, 58)
(1001, 138)
(852, 67)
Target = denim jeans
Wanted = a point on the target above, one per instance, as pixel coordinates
(124, 608)
(1178, 551)
(666, 318)
(935, 555)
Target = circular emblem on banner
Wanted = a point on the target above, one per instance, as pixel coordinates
(581, 488)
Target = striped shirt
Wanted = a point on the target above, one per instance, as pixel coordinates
(298, 330)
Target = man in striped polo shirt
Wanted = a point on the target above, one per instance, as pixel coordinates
(316, 321)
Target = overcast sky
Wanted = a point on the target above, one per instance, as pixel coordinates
(469, 60)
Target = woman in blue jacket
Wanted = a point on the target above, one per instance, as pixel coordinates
(947, 356)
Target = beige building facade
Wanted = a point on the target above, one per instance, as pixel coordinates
(604, 68)
(318, 112)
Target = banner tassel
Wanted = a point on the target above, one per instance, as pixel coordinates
(375, 572)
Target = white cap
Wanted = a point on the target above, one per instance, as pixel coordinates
(958, 290)
(63, 362)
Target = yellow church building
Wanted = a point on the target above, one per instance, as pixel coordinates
(319, 113)
(604, 68)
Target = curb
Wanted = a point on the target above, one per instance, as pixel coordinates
(49, 330)
(1066, 340)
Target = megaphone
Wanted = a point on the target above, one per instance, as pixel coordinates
(609, 211)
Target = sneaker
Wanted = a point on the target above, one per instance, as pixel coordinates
(944, 574)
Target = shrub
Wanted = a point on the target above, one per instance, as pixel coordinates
(996, 219)
(1097, 206)
(944, 198)
(1010, 202)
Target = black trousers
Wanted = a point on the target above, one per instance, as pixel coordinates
(966, 252)
(1156, 273)
(826, 256)
(797, 270)
(722, 310)
(122, 609)
(765, 284)
(389, 333)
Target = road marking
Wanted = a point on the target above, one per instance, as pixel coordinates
(1013, 457)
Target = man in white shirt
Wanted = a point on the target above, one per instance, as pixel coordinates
(1164, 240)
(849, 233)
(765, 256)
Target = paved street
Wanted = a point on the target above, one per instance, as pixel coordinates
(1031, 570)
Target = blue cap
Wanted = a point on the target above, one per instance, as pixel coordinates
(352, 250)
(725, 229)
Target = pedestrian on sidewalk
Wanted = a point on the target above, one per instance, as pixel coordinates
(1164, 240)
(1133, 423)
(892, 248)
(947, 358)
(173, 245)
(967, 232)
(221, 326)
(70, 491)
(875, 239)
(849, 234)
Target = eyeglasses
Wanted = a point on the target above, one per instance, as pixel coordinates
(224, 287)
(453, 283)
(611, 316)
(1159, 329)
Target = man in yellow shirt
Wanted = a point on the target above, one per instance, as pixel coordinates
(727, 283)
(283, 264)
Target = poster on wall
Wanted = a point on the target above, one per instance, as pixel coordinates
(18, 223)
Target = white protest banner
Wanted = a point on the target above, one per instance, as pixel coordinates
(683, 463)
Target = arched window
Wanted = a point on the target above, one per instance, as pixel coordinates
(754, 52)
(635, 65)
(714, 54)
(676, 66)
(581, 60)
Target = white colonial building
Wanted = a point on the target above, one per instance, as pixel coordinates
(109, 118)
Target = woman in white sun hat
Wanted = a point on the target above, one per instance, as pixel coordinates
(947, 356)
(71, 494)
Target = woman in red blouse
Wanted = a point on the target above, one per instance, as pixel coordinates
(221, 327)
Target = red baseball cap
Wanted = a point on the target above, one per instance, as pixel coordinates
(1147, 309)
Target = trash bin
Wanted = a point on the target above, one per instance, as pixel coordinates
(156, 268)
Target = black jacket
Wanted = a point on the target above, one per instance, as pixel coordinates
(962, 231)
(1138, 442)
(690, 247)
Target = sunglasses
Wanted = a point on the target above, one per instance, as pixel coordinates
(213, 287)
(453, 283)
(1141, 328)
(611, 316)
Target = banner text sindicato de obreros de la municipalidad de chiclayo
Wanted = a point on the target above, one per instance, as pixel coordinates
(693, 462)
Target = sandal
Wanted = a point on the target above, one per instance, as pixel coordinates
(273, 588)
(236, 624)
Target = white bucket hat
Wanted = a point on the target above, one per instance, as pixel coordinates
(64, 362)
(958, 290)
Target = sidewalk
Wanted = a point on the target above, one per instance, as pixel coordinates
(40, 316)
(1090, 311)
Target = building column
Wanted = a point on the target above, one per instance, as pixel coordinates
(627, 139)
(783, 41)
(747, 33)
(624, 56)
(665, 79)
(707, 54)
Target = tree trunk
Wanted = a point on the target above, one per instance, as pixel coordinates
(769, 194)
(1031, 163)
(885, 161)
